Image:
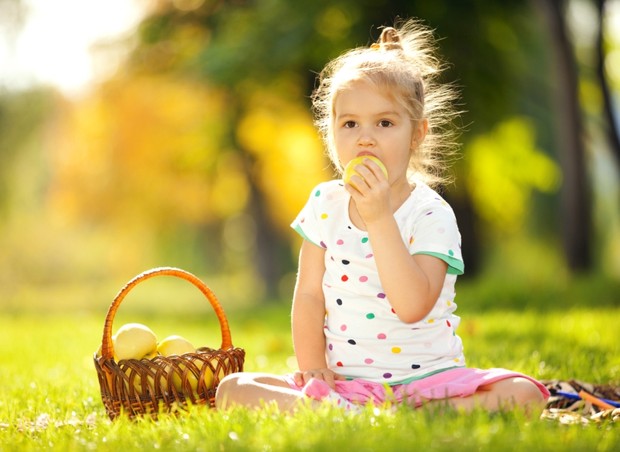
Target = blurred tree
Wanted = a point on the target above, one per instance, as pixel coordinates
(273, 45)
(205, 140)
(575, 194)
(610, 120)
(15, 118)
(21, 117)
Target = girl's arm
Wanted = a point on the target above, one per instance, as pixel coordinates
(411, 283)
(308, 317)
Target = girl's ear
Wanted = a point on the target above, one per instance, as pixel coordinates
(419, 132)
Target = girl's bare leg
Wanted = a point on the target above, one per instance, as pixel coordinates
(255, 389)
(505, 394)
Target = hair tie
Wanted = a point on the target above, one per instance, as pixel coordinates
(389, 40)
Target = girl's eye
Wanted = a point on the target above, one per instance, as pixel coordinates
(349, 124)
(385, 123)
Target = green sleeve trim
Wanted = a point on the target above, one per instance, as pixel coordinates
(455, 266)
(300, 231)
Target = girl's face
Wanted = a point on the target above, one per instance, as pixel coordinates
(366, 119)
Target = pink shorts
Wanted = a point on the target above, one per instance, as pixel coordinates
(458, 382)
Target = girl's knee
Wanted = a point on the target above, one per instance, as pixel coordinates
(226, 390)
(526, 391)
(513, 393)
(251, 389)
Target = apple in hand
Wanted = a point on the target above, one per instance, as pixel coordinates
(134, 341)
(349, 169)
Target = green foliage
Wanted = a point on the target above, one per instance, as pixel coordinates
(200, 150)
(504, 167)
(21, 118)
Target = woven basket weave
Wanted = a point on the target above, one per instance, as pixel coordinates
(164, 383)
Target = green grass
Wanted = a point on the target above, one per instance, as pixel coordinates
(49, 395)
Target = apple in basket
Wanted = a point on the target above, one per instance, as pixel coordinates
(178, 345)
(134, 341)
(349, 170)
(175, 345)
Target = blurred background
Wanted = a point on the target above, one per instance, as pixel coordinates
(136, 134)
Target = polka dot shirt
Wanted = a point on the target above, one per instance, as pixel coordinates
(364, 336)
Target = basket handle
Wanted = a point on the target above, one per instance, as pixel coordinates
(107, 347)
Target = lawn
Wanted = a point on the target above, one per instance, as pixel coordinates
(49, 397)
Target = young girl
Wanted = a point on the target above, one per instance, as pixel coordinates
(373, 308)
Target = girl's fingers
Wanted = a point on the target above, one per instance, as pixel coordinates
(302, 378)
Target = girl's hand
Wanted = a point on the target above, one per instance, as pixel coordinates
(302, 377)
(370, 190)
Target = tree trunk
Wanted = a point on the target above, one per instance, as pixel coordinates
(612, 127)
(575, 196)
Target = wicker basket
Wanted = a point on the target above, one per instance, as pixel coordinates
(164, 383)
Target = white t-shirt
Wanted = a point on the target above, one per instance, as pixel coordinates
(364, 337)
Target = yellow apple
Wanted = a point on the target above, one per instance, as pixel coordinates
(175, 345)
(134, 380)
(208, 377)
(189, 376)
(349, 170)
(151, 355)
(134, 341)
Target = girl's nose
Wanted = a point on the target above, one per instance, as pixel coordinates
(365, 139)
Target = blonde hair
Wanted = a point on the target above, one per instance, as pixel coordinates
(403, 63)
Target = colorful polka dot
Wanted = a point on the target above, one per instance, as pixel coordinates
(381, 336)
(396, 350)
(330, 346)
(451, 253)
(449, 324)
(365, 240)
(345, 262)
(317, 193)
(343, 327)
(339, 364)
(370, 316)
(430, 321)
(415, 366)
(339, 302)
(324, 216)
(387, 375)
(368, 256)
(369, 360)
(340, 242)
(323, 244)
(363, 278)
(344, 278)
(352, 342)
